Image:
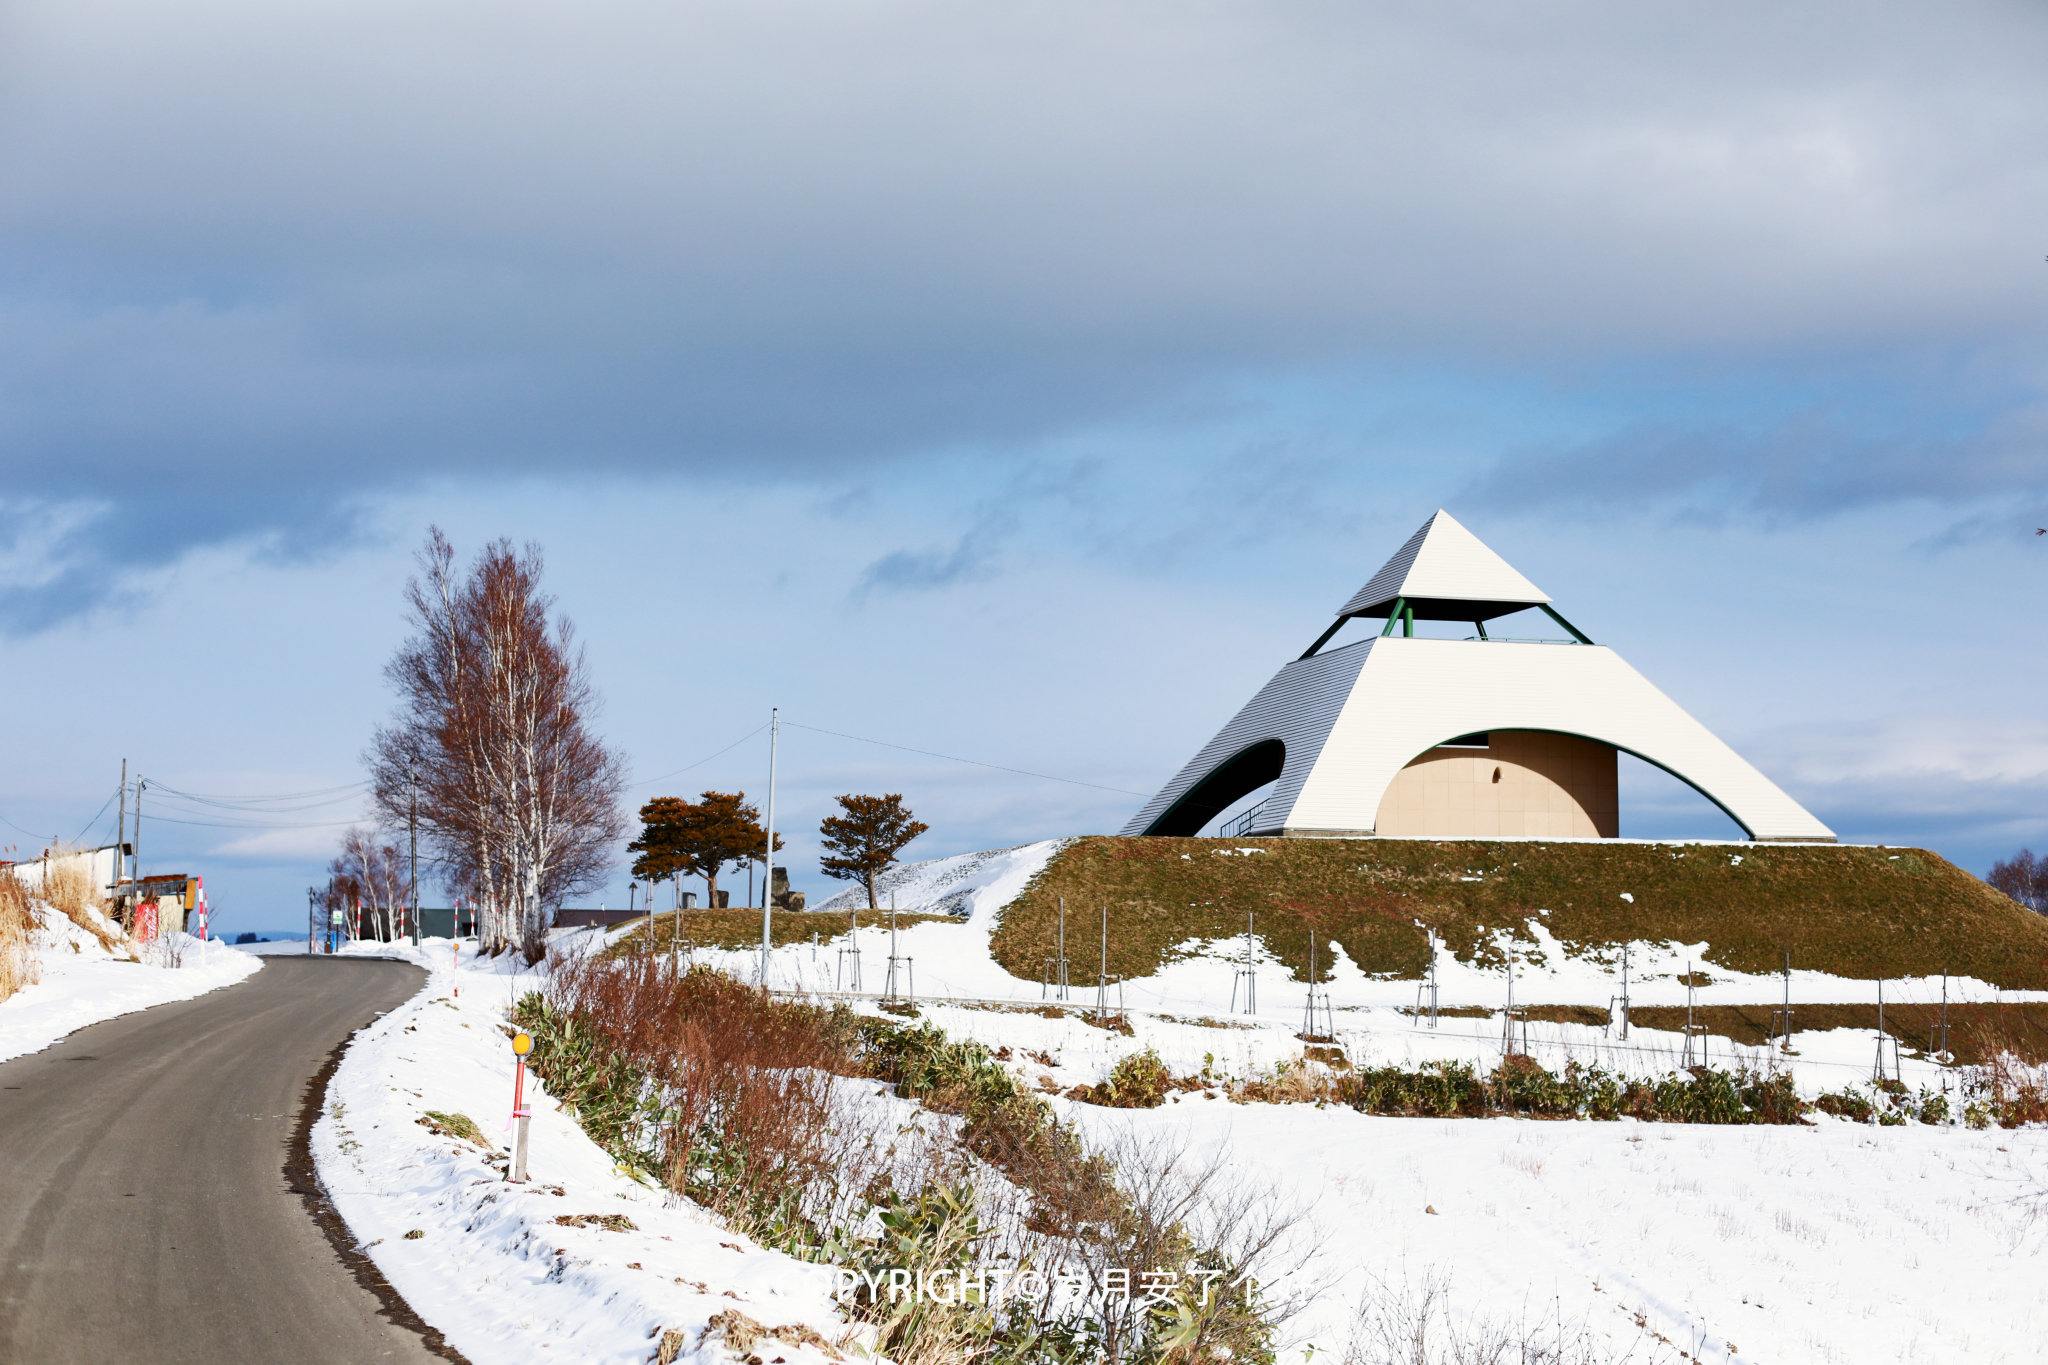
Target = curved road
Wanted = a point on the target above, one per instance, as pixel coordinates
(152, 1204)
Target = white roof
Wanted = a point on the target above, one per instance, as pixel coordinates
(1444, 562)
(1353, 718)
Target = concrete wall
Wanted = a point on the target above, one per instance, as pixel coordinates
(1525, 782)
(101, 867)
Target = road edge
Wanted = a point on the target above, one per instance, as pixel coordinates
(303, 1177)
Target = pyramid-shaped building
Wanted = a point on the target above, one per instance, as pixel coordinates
(1456, 738)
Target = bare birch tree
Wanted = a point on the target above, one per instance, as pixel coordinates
(517, 800)
(367, 880)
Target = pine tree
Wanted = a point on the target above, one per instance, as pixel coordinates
(865, 840)
(681, 838)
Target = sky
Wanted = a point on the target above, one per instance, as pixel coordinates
(1021, 383)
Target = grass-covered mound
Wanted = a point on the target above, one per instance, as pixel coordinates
(1854, 912)
(742, 928)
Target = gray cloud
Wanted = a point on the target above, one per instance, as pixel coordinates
(259, 262)
(1880, 443)
(968, 560)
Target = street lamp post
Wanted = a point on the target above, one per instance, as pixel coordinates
(412, 825)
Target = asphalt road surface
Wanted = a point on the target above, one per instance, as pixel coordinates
(156, 1200)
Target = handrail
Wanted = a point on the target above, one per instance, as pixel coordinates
(1236, 827)
(1515, 640)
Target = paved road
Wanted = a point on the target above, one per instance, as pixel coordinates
(146, 1210)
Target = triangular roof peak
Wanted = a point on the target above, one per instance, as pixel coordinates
(1445, 573)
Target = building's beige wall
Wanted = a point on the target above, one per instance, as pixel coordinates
(1527, 782)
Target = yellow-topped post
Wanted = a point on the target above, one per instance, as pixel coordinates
(522, 1043)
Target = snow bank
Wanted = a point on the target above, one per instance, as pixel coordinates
(492, 1265)
(82, 983)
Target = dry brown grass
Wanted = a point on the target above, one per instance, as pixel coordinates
(1856, 912)
(18, 962)
(751, 1126)
(67, 886)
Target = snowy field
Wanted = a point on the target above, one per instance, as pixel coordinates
(1835, 1242)
(82, 983)
(1838, 1243)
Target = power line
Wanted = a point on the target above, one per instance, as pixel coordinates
(702, 761)
(974, 762)
(218, 824)
(29, 832)
(281, 796)
(266, 804)
(95, 819)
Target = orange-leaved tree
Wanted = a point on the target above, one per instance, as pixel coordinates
(864, 841)
(681, 838)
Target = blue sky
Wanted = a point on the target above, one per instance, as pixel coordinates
(1023, 383)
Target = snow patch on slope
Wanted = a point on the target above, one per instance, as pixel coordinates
(967, 886)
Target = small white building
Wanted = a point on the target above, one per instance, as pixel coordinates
(1457, 738)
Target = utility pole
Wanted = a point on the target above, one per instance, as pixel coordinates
(121, 826)
(768, 865)
(140, 783)
(412, 825)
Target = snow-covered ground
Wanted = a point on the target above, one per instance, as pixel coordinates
(492, 1264)
(1834, 1242)
(82, 983)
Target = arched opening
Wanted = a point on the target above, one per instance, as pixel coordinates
(1238, 776)
(1657, 804)
(1664, 803)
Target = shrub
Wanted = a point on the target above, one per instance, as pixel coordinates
(2006, 1092)
(1890, 1104)
(734, 1099)
(959, 1077)
(1519, 1085)
(1139, 1080)
(1433, 1090)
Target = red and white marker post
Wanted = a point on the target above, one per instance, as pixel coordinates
(521, 1045)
